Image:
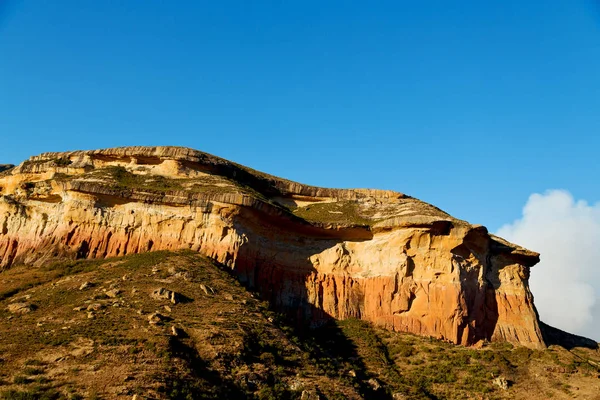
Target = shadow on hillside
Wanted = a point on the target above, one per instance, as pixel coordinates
(298, 294)
(337, 356)
(567, 340)
(201, 382)
(265, 265)
(302, 295)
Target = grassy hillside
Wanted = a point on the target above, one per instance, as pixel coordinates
(104, 330)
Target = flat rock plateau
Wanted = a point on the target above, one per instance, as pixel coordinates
(165, 272)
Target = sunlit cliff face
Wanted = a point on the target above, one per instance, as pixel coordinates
(315, 253)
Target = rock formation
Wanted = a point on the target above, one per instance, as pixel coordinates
(315, 253)
(4, 167)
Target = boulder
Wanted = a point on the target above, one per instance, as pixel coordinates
(309, 395)
(501, 382)
(112, 293)
(166, 294)
(156, 318)
(20, 308)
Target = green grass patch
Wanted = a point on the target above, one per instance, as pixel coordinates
(128, 180)
(341, 212)
(21, 380)
(11, 292)
(33, 371)
(39, 393)
(34, 361)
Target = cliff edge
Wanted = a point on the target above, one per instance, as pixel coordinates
(314, 253)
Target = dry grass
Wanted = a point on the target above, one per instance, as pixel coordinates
(341, 212)
(230, 345)
(226, 347)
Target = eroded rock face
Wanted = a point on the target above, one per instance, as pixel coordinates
(315, 253)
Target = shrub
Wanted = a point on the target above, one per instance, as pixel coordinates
(63, 162)
(33, 371)
(21, 380)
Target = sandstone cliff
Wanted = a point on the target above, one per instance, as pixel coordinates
(315, 253)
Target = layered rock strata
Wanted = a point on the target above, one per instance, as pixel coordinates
(315, 253)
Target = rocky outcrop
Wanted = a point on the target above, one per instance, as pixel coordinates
(20, 308)
(315, 253)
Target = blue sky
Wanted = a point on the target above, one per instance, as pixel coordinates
(469, 105)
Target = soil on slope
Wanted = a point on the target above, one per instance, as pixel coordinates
(104, 329)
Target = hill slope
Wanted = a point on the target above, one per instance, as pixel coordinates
(104, 329)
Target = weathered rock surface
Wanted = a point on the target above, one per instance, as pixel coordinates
(156, 318)
(112, 293)
(4, 167)
(313, 252)
(501, 382)
(309, 395)
(166, 294)
(19, 308)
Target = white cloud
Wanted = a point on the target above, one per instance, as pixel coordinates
(566, 282)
